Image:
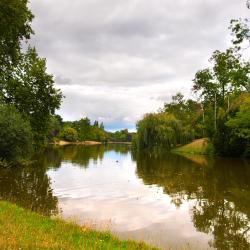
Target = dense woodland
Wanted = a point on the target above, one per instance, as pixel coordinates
(221, 111)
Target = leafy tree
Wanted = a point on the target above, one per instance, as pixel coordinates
(99, 134)
(161, 129)
(15, 19)
(239, 126)
(219, 86)
(86, 131)
(55, 126)
(24, 82)
(228, 73)
(30, 89)
(240, 30)
(176, 107)
(96, 124)
(83, 128)
(69, 134)
(102, 126)
(121, 136)
(189, 112)
(15, 135)
(240, 123)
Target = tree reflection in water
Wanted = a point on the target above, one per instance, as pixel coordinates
(219, 188)
(30, 187)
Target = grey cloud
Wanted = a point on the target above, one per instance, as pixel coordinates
(60, 80)
(127, 44)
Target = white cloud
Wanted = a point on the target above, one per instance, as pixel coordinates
(116, 60)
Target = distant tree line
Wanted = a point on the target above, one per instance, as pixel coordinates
(83, 130)
(222, 111)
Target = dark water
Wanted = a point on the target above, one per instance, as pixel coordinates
(164, 199)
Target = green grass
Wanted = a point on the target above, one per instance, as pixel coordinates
(197, 147)
(22, 229)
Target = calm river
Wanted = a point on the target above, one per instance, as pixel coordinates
(164, 199)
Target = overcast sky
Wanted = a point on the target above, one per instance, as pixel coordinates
(116, 60)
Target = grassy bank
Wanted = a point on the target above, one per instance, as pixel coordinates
(22, 229)
(197, 147)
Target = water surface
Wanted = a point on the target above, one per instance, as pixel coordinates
(164, 199)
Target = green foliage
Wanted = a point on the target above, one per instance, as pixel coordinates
(15, 135)
(86, 131)
(121, 136)
(161, 129)
(239, 126)
(183, 120)
(240, 123)
(96, 124)
(83, 127)
(30, 89)
(96, 132)
(55, 126)
(24, 82)
(179, 122)
(228, 73)
(15, 19)
(221, 87)
(188, 112)
(240, 30)
(99, 134)
(220, 115)
(69, 134)
(102, 126)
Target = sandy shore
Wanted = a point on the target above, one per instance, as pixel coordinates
(62, 143)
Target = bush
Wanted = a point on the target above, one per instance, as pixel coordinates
(69, 134)
(15, 135)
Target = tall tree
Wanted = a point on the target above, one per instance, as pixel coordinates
(24, 81)
(30, 89)
(15, 20)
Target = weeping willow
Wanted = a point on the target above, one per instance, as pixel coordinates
(162, 129)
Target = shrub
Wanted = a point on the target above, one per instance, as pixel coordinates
(15, 135)
(69, 134)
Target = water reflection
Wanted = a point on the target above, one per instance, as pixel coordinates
(161, 198)
(82, 155)
(220, 188)
(28, 187)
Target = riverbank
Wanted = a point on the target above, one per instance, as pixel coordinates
(22, 229)
(62, 143)
(87, 143)
(197, 147)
